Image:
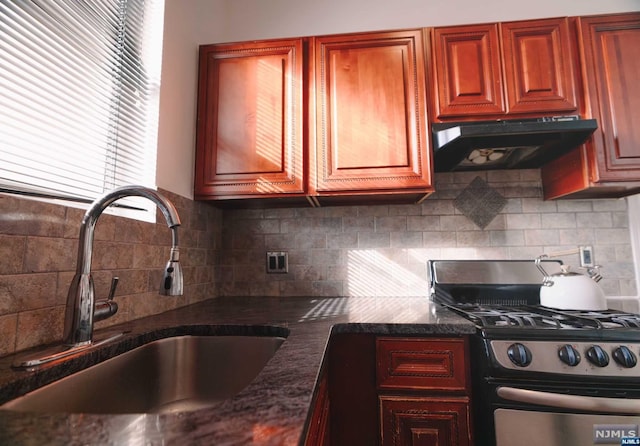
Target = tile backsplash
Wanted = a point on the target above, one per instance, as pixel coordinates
(333, 251)
(382, 250)
(38, 249)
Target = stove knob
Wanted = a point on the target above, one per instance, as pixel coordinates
(569, 355)
(519, 354)
(597, 356)
(625, 357)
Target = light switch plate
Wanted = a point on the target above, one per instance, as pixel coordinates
(586, 256)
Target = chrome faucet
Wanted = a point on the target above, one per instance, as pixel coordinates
(82, 309)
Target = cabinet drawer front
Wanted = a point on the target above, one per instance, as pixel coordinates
(424, 421)
(419, 364)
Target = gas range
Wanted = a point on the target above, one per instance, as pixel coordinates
(541, 376)
(563, 342)
(520, 335)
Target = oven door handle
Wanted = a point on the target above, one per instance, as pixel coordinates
(575, 402)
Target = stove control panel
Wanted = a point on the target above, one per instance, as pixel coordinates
(569, 358)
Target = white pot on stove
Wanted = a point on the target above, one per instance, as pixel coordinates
(568, 290)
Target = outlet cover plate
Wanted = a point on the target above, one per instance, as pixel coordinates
(277, 262)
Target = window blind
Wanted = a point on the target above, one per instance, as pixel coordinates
(79, 94)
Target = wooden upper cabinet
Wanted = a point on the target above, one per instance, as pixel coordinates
(612, 68)
(493, 70)
(609, 164)
(466, 63)
(539, 70)
(371, 119)
(250, 120)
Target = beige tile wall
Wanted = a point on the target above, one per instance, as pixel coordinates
(382, 250)
(38, 248)
(333, 251)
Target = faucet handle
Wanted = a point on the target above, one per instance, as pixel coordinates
(112, 290)
(107, 307)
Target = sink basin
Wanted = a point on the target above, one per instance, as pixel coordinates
(175, 374)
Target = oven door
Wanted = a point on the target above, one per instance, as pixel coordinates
(566, 420)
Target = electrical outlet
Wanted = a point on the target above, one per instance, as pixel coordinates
(277, 262)
(586, 256)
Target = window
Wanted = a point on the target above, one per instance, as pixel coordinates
(79, 92)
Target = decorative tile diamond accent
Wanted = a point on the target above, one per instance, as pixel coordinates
(479, 202)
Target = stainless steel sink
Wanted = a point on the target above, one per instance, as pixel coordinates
(181, 373)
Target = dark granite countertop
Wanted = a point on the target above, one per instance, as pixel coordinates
(272, 410)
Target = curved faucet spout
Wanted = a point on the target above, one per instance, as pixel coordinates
(79, 315)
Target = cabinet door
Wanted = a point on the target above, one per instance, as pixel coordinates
(539, 66)
(466, 63)
(371, 113)
(250, 119)
(608, 165)
(422, 421)
(612, 66)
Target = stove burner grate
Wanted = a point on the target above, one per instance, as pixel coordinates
(527, 316)
(511, 318)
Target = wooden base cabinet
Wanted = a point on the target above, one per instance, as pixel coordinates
(422, 421)
(318, 430)
(401, 391)
(423, 392)
(609, 164)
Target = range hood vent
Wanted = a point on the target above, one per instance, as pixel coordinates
(511, 144)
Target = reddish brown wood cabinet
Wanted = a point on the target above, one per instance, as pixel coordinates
(609, 164)
(370, 109)
(325, 118)
(318, 430)
(504, 69)
(250, 138)
(424, 421)
(466, 70)
(423, 392)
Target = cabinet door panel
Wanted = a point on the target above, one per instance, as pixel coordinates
(467, 71)
(612, 57)
(250, 107)
(423, 421)
(539, 68)
(362, 133)
(250, 118)
(370, 98)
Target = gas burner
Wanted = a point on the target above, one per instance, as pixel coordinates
(540, 317)
(507, 317)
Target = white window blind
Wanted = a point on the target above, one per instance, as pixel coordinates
(79, 91)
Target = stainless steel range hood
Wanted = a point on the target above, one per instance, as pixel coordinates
(511, 144)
